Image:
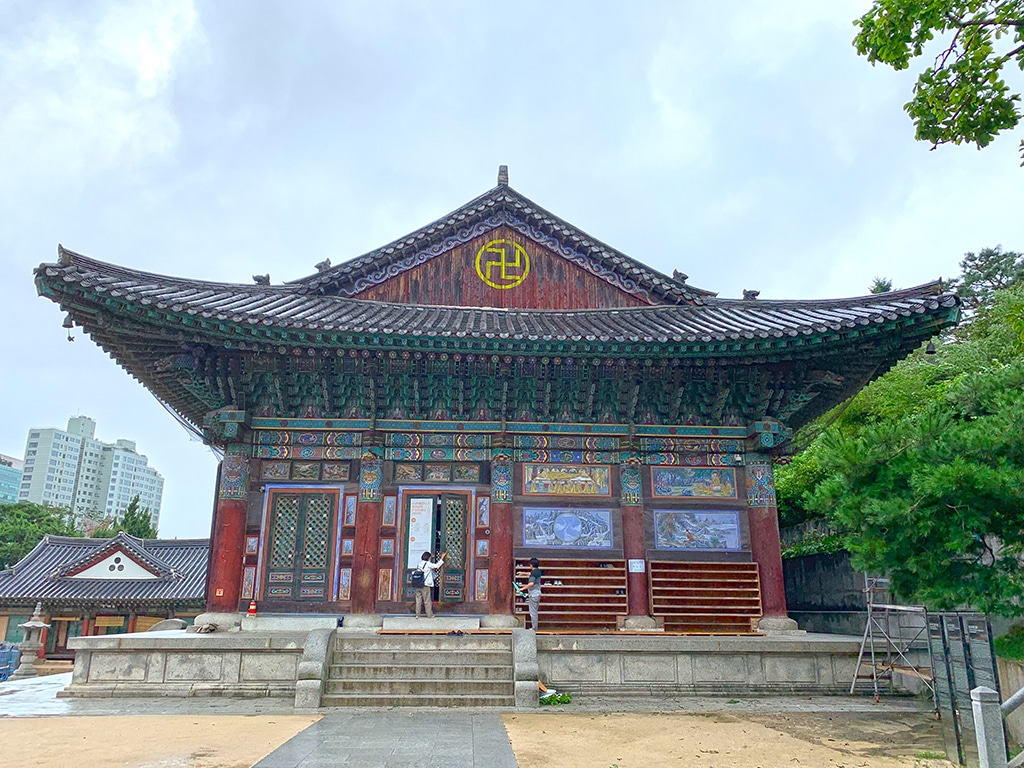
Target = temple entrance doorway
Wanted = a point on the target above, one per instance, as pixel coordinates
(439, 522)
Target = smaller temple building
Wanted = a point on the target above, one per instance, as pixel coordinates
(102, 587)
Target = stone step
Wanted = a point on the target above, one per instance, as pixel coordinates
(458, 643)
(420, 672)
(432, 658)
(425, 700)
(464, 623)
(439, 687)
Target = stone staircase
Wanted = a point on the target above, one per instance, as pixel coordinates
(420, 670)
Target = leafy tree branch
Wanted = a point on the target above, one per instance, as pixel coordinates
(963, 96)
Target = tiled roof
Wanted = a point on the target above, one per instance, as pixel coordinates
(258, 308)
(42, 574)
(502, 206)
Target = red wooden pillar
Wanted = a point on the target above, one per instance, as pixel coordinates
(500, 592)
(638, 600)
(227, 536)
(368, 519)
(765, 545)
(634, 544)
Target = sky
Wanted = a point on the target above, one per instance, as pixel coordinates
(743, 143)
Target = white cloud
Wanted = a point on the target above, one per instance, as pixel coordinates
(90, 92)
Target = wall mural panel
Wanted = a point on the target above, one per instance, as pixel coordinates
(564, 527)
(336, 472)
(693, 482)
(566, 480)
(697, 529)
(275, 470)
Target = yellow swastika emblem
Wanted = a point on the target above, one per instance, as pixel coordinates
(502, 264)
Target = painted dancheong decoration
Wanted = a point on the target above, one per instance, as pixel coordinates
(497, 385)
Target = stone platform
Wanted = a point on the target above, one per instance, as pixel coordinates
(297, 664)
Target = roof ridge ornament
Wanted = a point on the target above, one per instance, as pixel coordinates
(502, 175)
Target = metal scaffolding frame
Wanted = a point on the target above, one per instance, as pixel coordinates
(891, 633)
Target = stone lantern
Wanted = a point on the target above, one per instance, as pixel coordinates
(30, 646)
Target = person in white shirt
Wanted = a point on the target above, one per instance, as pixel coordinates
(425, 594)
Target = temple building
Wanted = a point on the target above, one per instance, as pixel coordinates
(87, 587)
(497, 385)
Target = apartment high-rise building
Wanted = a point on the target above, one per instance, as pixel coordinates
(96, 480)
(10, 478)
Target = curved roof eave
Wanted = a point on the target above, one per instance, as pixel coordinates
(260, 311)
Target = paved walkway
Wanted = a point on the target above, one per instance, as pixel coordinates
(398, 739)
(402, 737)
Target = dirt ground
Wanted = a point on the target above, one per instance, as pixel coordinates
(550, 739)
(722, 740)
(144, 741)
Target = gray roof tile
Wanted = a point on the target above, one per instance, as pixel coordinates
(42, 575)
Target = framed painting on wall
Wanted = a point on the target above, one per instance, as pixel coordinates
(672, 482)
(248, 582)
(483, 512)
(336, 472)
(437, 473)
(252, 545)
(387, 546)
(384, 584)
(466, 473)
(305, 470)
(350, 511)
(345, 584)
(697, 529)
(480, 584)
(483, 548)
(390, 513)
(405, 473)
(566, 480)
(275, 470)
(348, 546)
(563, 527)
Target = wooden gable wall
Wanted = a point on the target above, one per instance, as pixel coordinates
(489, 271)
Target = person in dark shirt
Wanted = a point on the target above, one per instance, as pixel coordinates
(533, 592)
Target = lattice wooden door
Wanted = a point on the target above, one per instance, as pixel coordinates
(453, 544)
(299, 546)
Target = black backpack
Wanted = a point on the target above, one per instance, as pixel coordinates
(417, 577)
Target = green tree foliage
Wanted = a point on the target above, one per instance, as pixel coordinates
(922, 473)
(23, 525)
(962, 96)
(987, 271)
(936, 498)
(135, 522)
(880, 285)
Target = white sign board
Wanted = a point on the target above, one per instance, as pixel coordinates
(420, 531)
(637, 566)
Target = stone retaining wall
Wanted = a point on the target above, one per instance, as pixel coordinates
(678, 665)
(183, 664)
